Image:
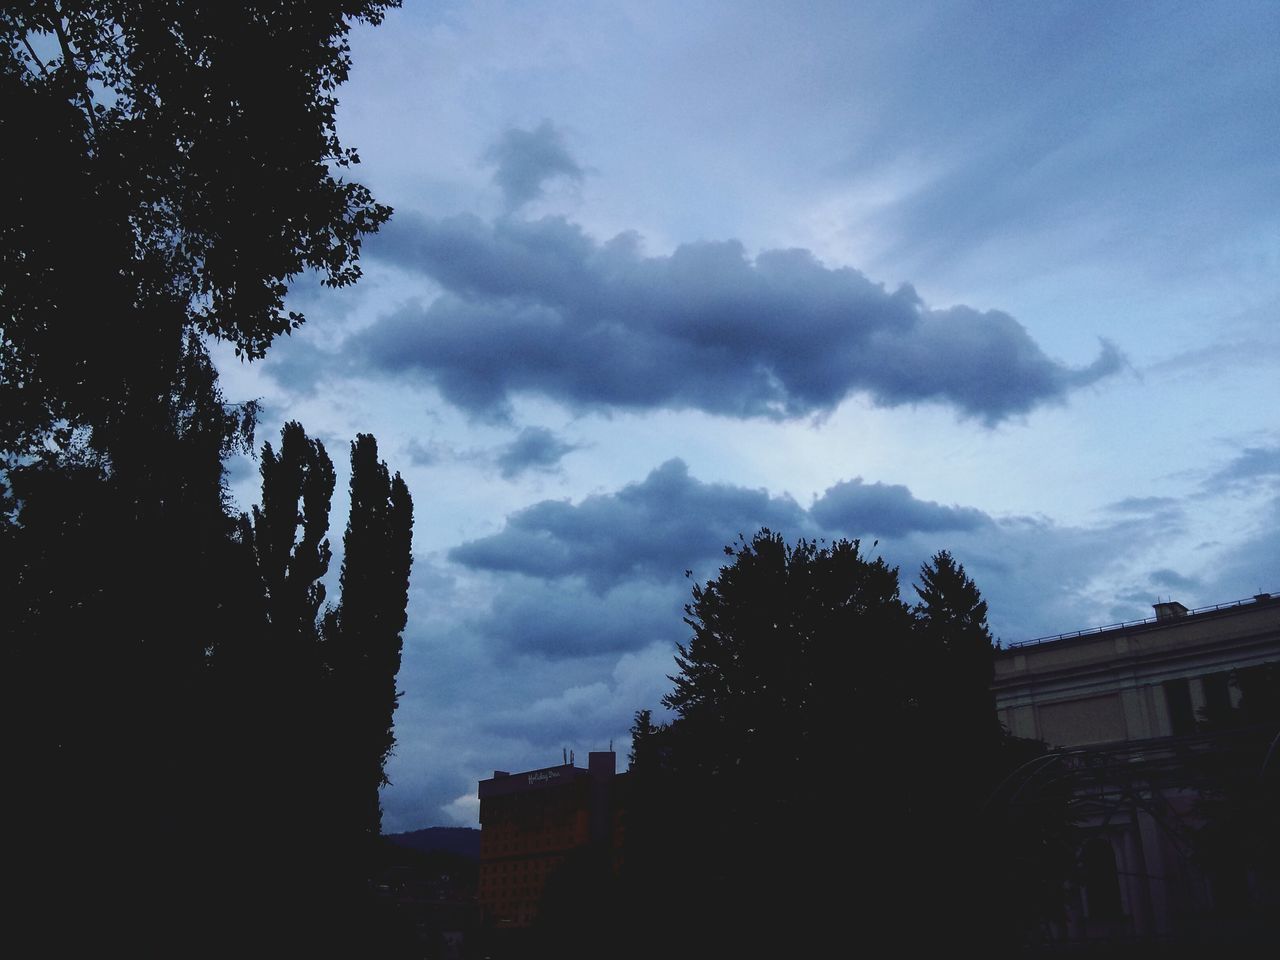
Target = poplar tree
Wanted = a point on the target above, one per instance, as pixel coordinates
(290, 543)
(362, 635)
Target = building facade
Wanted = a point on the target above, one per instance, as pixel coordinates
(1152, 722)
(532, 823)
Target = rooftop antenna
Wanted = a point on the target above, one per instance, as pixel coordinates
(571, 758)
(564, 757)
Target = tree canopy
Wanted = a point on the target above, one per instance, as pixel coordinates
(172, 167)
(363, 633)
(176, 164)
(830, 751)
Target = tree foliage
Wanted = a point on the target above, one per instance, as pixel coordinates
(829, 756)
(178, 165)
(323, 682)
(173, 166)
(1236, 835)
(289, 539)
(954, 667)
(363, 634)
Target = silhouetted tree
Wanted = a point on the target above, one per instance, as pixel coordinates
(1235, 836)
(955, 662)
(315, 696)
(792, 684)
(176, 165)
(826, 768)
(362, 636)
(275, 673)
(290, 543)
(172, 167)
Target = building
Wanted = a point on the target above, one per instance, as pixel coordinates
(1148, 718)
(532, 823)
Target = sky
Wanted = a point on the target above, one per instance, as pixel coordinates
(996, 278)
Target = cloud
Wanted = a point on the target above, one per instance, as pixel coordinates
(569, 620)
(535, 448)
(539, 306)
(554, 630)
(241, 469)
(463, 810)
(526, 159)
(654, 529)
(1165, 577)
(427, 454)
(1250, 566)
(1041, 577)
(605, 553)
(888, 510)
(572, 715)
(298, 366)
(1223, 355)
(1253, 465)
(1142, 505)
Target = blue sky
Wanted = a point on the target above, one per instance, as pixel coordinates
(999, 278)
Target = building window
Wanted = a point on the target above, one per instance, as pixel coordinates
(1177, 695)
(1101, 880)
(1217, 700)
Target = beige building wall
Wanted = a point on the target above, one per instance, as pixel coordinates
(1129, 699)
(1114, 685)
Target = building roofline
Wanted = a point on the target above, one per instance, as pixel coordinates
(1131, 626)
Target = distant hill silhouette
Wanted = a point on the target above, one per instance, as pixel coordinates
(460, 841)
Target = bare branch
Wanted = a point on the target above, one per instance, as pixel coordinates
(69, 56)
(32, 51)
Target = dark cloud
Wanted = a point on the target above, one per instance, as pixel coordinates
(587, 714)
(1164, 577)
(888, 510)
(427, 454)
(298, 365)
(555, 630)
(652, 530)
(485, 690)
(606, 575)
(535, 448)
(539, 306)
(526, 159)
(1126, 603)
(569, 620)
(1252, 465)
(241, 468)
(1042, 578)
(1251, 566)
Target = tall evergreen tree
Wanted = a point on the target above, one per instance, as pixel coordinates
(791, 680)
(277, 670)
(289, 539)
(823, 729)
(954, 662)
(363, 634)
(952, 667)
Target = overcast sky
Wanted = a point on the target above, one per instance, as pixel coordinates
(1000, 278)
